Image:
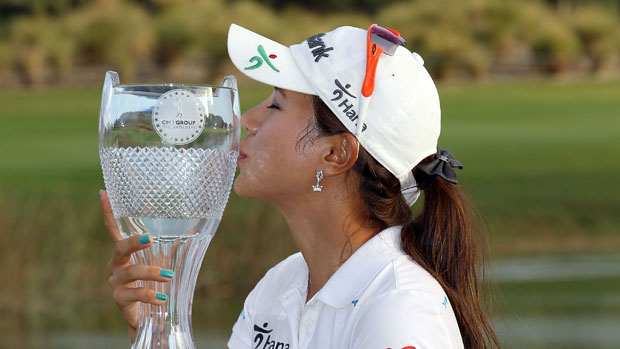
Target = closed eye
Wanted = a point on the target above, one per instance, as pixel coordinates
(274, 106)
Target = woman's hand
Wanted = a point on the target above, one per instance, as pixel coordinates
(125, 274)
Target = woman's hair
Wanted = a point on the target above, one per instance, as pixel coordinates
(440, 239)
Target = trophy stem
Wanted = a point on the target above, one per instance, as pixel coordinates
(169, 326)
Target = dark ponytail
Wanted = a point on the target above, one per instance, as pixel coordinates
(441, 238)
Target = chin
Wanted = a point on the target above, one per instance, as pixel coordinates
(242, 188)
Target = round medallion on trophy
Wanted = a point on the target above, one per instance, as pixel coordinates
(179, 117)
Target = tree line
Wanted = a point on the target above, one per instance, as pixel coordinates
(43, 41)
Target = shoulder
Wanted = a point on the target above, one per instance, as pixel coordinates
(264, 297)
(408, 308)
(285, 272)
(278, 279)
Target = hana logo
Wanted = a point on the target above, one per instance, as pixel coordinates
(263, 335)
(258, 61)
(345, 106)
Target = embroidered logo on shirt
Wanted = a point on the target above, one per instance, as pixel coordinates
(267, 343)
(409, 347)
(445, 302)
(355, 302)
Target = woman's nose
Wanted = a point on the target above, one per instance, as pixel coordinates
(252, 119)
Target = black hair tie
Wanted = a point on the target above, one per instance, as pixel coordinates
(442, 165)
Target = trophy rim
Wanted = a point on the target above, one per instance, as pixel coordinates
(175, 85)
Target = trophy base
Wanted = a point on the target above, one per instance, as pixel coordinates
(169, 326)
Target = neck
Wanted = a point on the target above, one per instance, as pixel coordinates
(327, 230)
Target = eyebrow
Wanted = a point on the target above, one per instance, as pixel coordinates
(281, 91)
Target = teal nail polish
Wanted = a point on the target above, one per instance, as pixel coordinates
(100, 191)
(144, 239)
(161, 296)
(166, 273)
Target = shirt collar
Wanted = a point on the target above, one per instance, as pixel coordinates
(361, 268)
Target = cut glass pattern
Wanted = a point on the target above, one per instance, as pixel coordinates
(168, 182)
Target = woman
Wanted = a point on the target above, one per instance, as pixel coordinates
(342, 148)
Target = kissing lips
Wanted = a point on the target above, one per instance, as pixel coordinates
(241, 157)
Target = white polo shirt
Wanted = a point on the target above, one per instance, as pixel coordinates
(378, 299)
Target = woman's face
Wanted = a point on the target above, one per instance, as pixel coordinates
(274, 165)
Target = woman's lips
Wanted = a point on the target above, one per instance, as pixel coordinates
(241, 157)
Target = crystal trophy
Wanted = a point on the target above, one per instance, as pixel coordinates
(168, 154)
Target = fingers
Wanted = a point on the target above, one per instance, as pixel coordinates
(108, 216)
(125, 247)
(133, 273)
(126, 296)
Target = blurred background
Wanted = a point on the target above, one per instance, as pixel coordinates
(530, 95)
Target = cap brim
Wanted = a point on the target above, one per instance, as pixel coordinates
(265, 60)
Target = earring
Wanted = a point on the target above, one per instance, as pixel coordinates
(319, 177)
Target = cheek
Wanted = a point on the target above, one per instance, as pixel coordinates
(277, 166)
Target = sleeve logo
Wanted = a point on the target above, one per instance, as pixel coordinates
(258, 61)
(262, 339)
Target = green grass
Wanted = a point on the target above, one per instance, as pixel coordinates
(540, 157)
(541, 164)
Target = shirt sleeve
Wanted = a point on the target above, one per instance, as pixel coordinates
(406, 320)
(241, 337)
(242, 331)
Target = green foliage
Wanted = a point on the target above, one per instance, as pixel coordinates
(457, 38)
(176, 35)
(599, 33)
(40, 7)
(441, 32)
(5, 56)
(30, 42)
(113, 32)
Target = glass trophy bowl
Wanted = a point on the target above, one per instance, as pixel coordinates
(168, 154)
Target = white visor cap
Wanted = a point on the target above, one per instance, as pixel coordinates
(403, 119)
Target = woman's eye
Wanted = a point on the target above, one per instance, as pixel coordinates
(274, 106)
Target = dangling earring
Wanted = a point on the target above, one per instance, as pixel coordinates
(319, 177)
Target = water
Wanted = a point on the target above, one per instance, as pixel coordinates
(565, 301)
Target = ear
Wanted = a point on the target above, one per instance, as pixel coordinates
(340, 153)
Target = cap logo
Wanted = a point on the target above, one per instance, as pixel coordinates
(258, 61)
(345, 106)
(318, 47)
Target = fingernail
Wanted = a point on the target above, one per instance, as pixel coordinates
(166, 273)
(100, 192)
(161, 297)
(145, 239)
